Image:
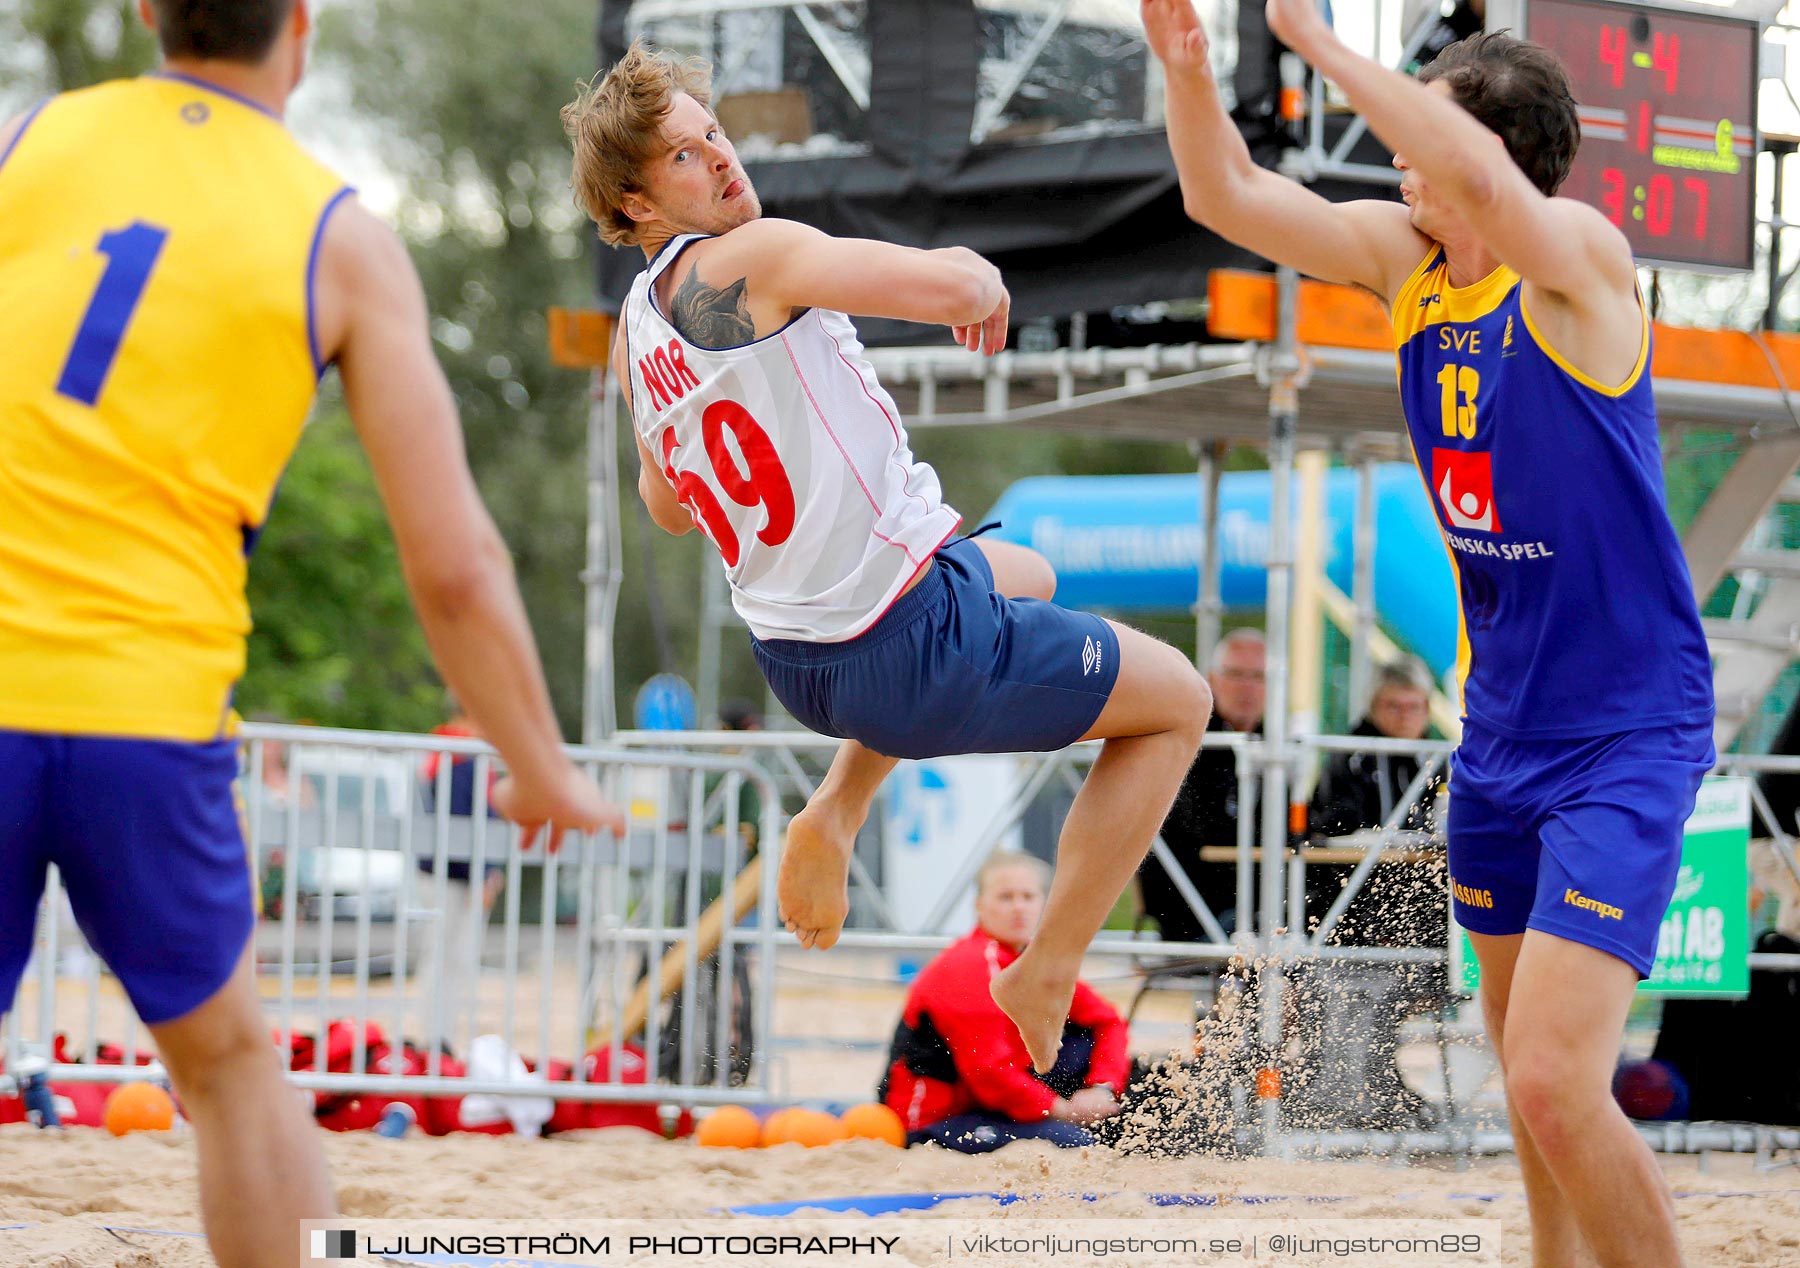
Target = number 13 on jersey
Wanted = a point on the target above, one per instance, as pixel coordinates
(764, 484)
(1459, 385)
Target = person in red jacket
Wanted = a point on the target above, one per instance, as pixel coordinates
(958, 1073)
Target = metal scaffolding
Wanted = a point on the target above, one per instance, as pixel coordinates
(1288, 398)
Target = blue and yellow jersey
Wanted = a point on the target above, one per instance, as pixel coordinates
(1577, 612)
(158, 243)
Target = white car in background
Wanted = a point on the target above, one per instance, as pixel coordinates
(359, 789)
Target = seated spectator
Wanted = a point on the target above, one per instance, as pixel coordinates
(1401, 904)
(1361, 790)
(958, 1074)
(1206, 808)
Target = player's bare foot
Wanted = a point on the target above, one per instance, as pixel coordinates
(1038, 1002)
(813, 890)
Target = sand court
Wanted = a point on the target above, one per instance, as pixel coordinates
(71, 1187)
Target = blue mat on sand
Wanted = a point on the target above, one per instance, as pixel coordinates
(888, 1203)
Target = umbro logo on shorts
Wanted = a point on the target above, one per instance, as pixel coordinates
(1090, 657)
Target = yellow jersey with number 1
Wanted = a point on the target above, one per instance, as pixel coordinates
(158, 244)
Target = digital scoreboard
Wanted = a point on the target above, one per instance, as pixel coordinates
(1667, 101)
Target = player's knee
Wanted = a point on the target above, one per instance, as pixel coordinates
(216, 1046)
(1203, 699)
(1551, 1097)
(219, 1063)
(1189, 697)
(1037, 579)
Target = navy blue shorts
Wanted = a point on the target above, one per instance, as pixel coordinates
(952, 668)
(147, 838)
(1580, 838)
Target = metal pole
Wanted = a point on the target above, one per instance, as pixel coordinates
(1282, 372)
(600, 579)
(1779, 154)
(1209, 609)
(713, 606)
(1306, 617)
(1362, 587)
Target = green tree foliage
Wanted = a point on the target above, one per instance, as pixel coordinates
(464, 106)
(65, 44)
(469, 129)
(335, 638)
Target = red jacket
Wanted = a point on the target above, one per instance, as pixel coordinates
(955, 1052)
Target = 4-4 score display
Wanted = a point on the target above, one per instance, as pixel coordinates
(1667, 103)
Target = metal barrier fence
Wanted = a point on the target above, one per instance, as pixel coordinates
(367, 924)
(375, 915)
(1270, 941)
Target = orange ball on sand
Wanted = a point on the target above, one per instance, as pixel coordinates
(138, 1107)
(813, 1128)
(875, 1121)
(775, 1127)
(729, 1127)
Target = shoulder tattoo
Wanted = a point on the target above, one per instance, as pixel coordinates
(710, 316)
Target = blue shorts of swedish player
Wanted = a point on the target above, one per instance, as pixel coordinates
(147, 839)
(952, 668)
(1580, 838)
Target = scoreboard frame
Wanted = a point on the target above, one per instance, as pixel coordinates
(1656, 184)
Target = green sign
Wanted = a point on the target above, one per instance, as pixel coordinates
(1704, 942)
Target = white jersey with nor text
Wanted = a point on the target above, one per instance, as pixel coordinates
(792, 459)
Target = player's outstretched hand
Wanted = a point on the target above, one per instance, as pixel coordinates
(568, 799)
(987, 336)
(1175, 35)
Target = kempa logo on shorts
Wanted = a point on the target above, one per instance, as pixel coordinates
(334, 1243)
(1605, 911)
(1090, 657)
(1472, 897)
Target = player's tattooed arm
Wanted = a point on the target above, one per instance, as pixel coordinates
(711, 316)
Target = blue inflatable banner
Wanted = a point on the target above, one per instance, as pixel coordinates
(1133, 543)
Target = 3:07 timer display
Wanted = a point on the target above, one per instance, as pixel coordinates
(1667, 103)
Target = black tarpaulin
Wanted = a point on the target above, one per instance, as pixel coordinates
(1081, 220)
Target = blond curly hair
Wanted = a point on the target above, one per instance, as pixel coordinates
(616, 122)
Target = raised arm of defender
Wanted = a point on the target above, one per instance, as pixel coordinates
(1368, 243)
(1561, 247)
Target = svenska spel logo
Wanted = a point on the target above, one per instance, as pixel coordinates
(334, 1243)
(1464, 483)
